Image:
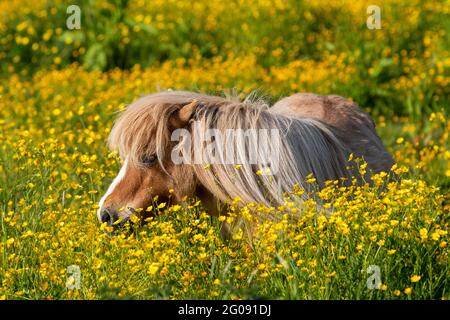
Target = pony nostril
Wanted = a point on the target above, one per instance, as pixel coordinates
(104, 216)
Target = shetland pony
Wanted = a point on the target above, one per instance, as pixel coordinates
(317, 135)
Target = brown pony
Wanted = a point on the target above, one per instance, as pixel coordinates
(316, 135)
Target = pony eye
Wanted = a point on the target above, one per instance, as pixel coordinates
(149, 160)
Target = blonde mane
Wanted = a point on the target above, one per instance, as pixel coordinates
(306, 145)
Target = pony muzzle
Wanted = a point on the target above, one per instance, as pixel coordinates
(108, 216)
(114, 218)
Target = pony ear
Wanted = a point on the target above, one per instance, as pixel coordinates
(181, 117)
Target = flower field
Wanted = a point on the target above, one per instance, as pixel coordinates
(60, 91)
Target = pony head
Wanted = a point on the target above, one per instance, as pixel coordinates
(141, 135)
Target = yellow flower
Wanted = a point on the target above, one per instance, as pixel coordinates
(408, 291)
(423, 234)
(118, 221)
(435, 235)
(332, 274)
(134, 218)
(311, 180)
(153, 268)
(415, 278)
(161, 205)
(397, 292)
(9, 242)
(261, 266)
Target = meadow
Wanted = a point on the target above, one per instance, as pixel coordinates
(60, 91)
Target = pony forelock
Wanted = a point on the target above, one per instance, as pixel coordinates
(143, 127)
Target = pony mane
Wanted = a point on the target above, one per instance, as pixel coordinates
(307, 146)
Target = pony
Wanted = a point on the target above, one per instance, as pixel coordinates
(316, 136)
